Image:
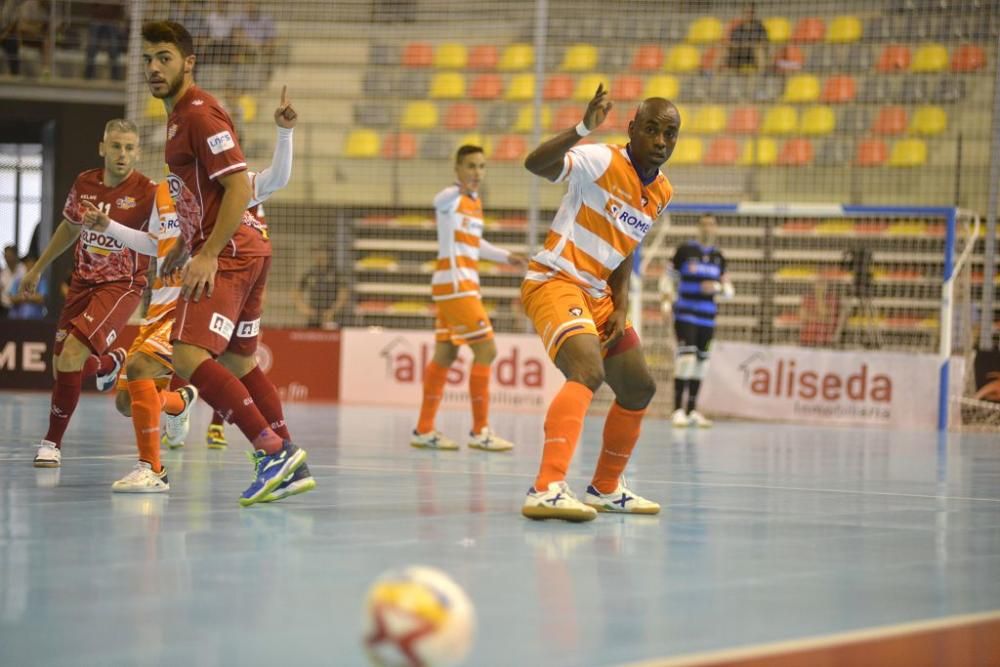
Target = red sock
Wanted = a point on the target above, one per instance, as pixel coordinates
(224, 392)
(621, 432)
(563, 425)
(65, 396)
(434, 379)
(479, 394)
(266, 397)
(217, 418)
(98, 365)
(176, 382)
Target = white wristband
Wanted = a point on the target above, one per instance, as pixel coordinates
(581, 129)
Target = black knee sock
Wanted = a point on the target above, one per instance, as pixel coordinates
(693, 387)
(679, 392)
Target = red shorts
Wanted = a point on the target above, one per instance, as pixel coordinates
(230, 318)
(97, 313)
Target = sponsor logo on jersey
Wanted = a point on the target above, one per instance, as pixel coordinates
(248, 328)
(197, 103)
(659, 209)
(172, 131)
(221, 325)
(112, 335)
(575, 311)
(100, 243)
(628, 216)
(221, 142)
(125, 202)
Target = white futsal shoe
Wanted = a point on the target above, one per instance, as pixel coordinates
(558, 502)
(48, 455)
(695, 418)
(679, 419)
(142, 479)
(177, 426)
(488, 441)
(107, 381)
(432, 440)
(622, 500)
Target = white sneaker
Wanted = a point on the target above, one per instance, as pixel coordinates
(488, 441)
(556, 503)
(107, 381)
(177, 426)
(622, 500)
(48, 455)
(432, 440)
(695, 418)
(680, 419)
(142, 479)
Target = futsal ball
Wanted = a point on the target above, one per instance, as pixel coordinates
(417, 617)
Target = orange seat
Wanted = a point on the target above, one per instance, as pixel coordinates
(894, 58)
(647, 58)
(891, 120)
(401, 146)
(418, 54)
(968, 58)
(461, 116)
(710, 59)
(723, 151)
(839, 89)
(790, 58)
(743, 120)
(626, 88)
(872, 153)
(484, 56)
(558, 87)
(796, 153)
(486, 87)
(567, 116)
(510, 147)
(809, 30)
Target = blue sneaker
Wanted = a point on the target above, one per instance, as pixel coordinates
(298, 482)
(271, 470)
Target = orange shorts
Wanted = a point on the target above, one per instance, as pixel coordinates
(153, 340)
(462, 321)
(560, 310)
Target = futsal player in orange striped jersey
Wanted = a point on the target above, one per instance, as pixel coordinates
(576, 293)
(461, 318)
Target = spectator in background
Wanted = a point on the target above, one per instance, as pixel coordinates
(28, 306)
(747, 40)
(222, 24)
(189, 16)
(257, 33)
(322, 296)
(12, 270)
(818, 315)
(25, 23)
(107, 31)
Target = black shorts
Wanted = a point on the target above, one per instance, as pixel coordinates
(691, 335)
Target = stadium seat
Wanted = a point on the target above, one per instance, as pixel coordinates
(854, 120)
(809, 30)
(412, 85)
(872, 153)
(790, 58)
(451, 56)
(377, 83)
(486, 87)
(383, 54)
(682, 58)
(948, 91)
(890, 120)
(823, 57)
(778, 29)
(743, 120)
(894, 58)
(818, 120)
(626, 88)
(484, 56)
(399, 146)
(729, 88)
(762, 151)
(833, 152)
(526, 119)
(510, 147)
(520, 88)
(418, 54)
(587, 86)
(859, 58)
(568, 115)
(802, 88)
(915, 90)
(499, 117)
(461, 116)
(839, 89)
(476, 139)
(647, 58)
(361, 143)
(420, 115)
(930, 58)
(780, 120)
(968, 58)
(516, 57)
(687, 151)
(711, 59)
(698, 89)
(796, 153)
(908, 153)
(704, 30)
(436, 148)
(723, 151)
(877, 90)
(929, 121)
(708, 120)
(766, 89)
(579, 58)
(154, 109)
(558, 87)
(662, 85)
(367, 114)
(447, 86)
(844, 30)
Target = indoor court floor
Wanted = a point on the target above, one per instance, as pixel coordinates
(769, 533)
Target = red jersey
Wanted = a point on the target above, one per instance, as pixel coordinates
(100, 258)
(202, 146)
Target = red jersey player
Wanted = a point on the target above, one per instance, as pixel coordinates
(107, 281)
(223, 282)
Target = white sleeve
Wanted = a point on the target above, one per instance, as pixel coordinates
(275, 177)
(447, 200)
(492, 253)
(585, 164)
(134, 239)
(728, 291)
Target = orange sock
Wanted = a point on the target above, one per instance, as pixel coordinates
(563, 425)
(146, 420)
(171, 402)
(479, 393)
(621, 432)
(434, 379)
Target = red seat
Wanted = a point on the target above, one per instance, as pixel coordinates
(839, 89)
(710, 58)
(890, 120)
(461, 116)
(872, 153)
(894, 58)
(566, 116)
(743, 120)
(558, 87)
(418, 54)
(401, 146)
(486, 87)
(647, 58)
(809, 30)
(796, 153)
(968, 58)
(723, 151)
(510, 147)
(626, 88)
(485, 56)
(790, 58)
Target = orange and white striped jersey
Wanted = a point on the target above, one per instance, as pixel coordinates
(460, 245)
(604, 215)
(166, 231)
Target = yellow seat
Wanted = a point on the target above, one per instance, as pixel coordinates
(687, 151)
(579, 58)
(420, 115)
(930, 58)
(778, 28)
(476, 139)
(818, 120)
(516, 57)
(709, 120)
(761, 151)
(526, 119)
(908, 153)
(780, 120)
(521, 88)
(705, 30)
(447, 86)
(616, 139)
(682, 58)
(929, 121)
(844, 30)
(587, 86)
(451, 56)
(662, 85)
(154, 109)
(361, 143)
(802, 88)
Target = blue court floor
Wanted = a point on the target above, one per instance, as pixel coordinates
(768, 533)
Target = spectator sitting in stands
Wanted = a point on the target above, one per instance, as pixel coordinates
(28, 307)
(11, 271)
(25, 23)
(222, 25)
(107, 30)
(745, 51)
(258, 34)
(322, 297)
